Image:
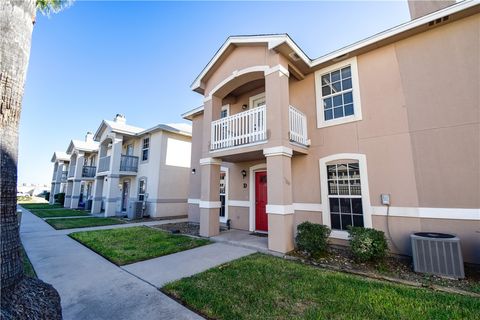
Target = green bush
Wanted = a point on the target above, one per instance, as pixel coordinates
(59, 198)
(47, 196)
(367, 244)
(312, 238)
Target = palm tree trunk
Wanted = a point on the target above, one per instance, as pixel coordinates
(16, 25)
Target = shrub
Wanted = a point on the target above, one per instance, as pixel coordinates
(47, 195)
(59, 198)
(312, 238)
(367, 244)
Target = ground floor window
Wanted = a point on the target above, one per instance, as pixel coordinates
(142, 187)
(345, 195)
(344, 187)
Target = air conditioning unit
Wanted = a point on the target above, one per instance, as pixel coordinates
(437, 253)
(135, 210)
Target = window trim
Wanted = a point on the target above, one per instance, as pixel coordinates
(252, 99)
(357, 107)
(367, 208)
(143, 148)
(144, 179)
(227, 108)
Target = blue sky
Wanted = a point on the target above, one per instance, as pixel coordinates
(96, 59)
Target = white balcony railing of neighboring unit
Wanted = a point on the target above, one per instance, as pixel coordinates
(298, 126)
(128, 163)
(240, 129)
(104, 164)
(64, 176)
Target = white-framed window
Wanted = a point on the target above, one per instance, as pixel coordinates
(145, 148)
(225, 111)
(142, 188)
(338, 94)
(257, 100)
(345, 194)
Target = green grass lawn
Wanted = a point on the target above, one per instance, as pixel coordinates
(40, 206)
(27, 265)
(128, 245)
(266, 287)
(72, 223)
(54, 213)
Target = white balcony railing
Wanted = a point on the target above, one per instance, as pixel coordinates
(104, 164)
(239, 129)
(298, 126)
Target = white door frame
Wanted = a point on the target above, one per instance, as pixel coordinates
(253, 169)
(125, 198)
(252, 99)
(224, 219)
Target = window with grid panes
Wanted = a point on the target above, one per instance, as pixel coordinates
(345, 195)
(145, 149)
(337, 94)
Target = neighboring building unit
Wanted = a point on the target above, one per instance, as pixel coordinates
(142, 165)
(81, 172)
(283, 139)
(60, 160)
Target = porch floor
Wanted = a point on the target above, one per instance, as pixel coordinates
(244, 239)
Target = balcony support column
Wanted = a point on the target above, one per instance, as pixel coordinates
(212, 109)
(280, 207)
(68, 194)
(277, 100)
(77, 181)
(57, 181)
(97, 195)
(210, 197)
(113, 195)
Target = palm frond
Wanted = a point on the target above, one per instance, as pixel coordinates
(47, 7)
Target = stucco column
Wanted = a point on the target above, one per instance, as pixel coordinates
(77, 181)
(54, 182)
(210, 197)
(97, 195)
(279, 208)
(68, 194)
(277, 99)
(212, 108)
(113, 179)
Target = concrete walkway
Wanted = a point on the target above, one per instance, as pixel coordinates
(186, 263)
(93, 288)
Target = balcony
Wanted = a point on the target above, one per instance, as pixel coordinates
(64, 176)
(239, 129)
(88, 171)
(298, 126)
(104, 164)
(128, 163)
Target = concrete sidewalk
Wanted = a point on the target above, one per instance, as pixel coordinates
(90, 286)
(160, 271)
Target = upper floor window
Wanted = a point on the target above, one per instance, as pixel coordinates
(145, 148)
(338, 97)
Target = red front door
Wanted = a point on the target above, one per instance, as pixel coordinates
(261, 217)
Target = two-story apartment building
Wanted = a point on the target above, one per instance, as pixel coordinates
(142, 165)
(81, 172)
(60, 161)
(384, 133)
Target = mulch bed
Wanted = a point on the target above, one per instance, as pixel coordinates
(148, 219)
(392, 267)
(187, 228)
